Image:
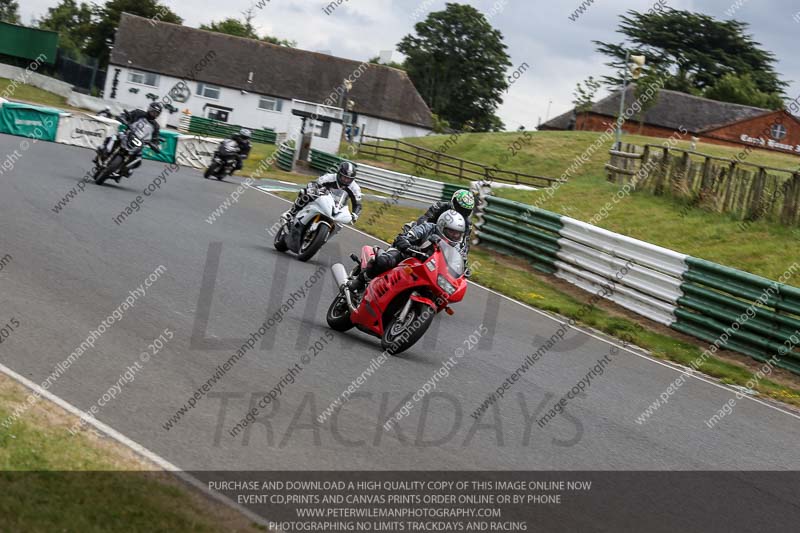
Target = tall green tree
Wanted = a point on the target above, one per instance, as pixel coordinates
(244, 28)
(73, 22)
(9, 11)
(394, 64)
(742, 89)
(231, 26)
(108, 17)
(458, 62)
(695, 49)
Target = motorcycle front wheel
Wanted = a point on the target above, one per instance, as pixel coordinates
(312, 243)
(210, 170)
(280, 240)
(102, 174)
(400, 336)
(338, 315)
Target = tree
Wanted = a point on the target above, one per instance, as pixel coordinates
(458, 62)
(584, 95)
(394, 64)
(73, 23)
(9, 11)
(231, 26)
(108, 17)
(742, 89)
(244, 28)
(695, 50)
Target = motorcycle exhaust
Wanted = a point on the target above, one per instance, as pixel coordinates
(339, 274)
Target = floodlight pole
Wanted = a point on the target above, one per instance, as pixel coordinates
(618, 143)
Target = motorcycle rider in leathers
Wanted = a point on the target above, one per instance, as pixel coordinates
(344, 178)
(450, 227)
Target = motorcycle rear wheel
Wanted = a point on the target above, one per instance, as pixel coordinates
(308, 250)
(103, 174)
(338, 315)
(394, 340)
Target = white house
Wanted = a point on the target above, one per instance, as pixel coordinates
(259, 85)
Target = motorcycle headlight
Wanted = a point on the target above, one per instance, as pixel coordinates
(431, 265)
(445, 285)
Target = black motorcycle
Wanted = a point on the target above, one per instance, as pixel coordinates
(223, 163)
(125, 151)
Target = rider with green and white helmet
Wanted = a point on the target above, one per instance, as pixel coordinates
(462, 202)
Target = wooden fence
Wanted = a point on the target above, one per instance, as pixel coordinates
(434, 162)
(748, 191)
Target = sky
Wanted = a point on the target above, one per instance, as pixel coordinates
(558, 51)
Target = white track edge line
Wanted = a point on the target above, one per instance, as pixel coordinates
(133, 445)
(589, 333)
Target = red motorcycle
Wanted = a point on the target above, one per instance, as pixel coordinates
(398, 306)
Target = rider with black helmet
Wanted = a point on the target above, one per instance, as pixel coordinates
(130, 117)
(344, 178)
(242, 138)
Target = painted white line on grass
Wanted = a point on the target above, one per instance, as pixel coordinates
(562, 321)
(133, 445)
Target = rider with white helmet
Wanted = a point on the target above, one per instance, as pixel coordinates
(450, 227)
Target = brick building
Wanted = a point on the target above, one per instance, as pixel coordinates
(711, 121)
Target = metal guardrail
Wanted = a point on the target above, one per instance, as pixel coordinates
(699, 298)
(215, 128)
(715, 297)
(324, 162)
(285, 157)
(387, 181)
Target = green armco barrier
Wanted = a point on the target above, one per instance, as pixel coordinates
(323, 161)
(449, 190)
(35, 122)
(285, 158)
(758, 317)
(741, 283)
(215, 128)
(723, 306)
(169, 146)
(518, 229)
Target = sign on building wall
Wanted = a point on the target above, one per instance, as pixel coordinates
(769, 143)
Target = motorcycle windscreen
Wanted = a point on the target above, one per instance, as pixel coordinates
(455, 263)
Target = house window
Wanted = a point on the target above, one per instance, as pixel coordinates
(208, 91)
(268, 103)
(778, 131)
(143, 78)
(324, 129)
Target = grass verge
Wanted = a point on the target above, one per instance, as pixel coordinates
(53, 481)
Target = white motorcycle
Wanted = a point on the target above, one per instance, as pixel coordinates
(317, 222)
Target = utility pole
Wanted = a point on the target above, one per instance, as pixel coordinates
(636, 70)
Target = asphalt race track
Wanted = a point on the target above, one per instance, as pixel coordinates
(72, 269)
